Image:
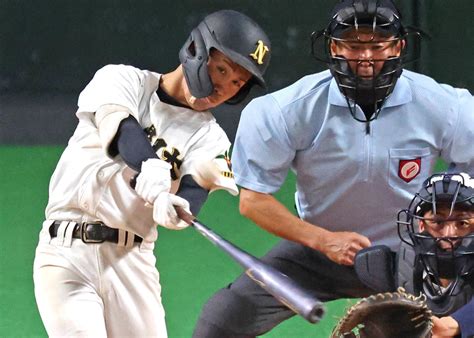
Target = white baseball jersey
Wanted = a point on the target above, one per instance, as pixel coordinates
(348, 179)
(88, 186)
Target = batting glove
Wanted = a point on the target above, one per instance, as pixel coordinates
(153, 179)
(165, 214)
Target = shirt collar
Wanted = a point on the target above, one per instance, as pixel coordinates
(401, 94)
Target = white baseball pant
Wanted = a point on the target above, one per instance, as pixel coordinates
(97, 290)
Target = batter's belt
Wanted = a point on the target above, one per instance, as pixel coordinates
(95, 232)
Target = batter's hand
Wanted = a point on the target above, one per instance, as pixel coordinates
(342, 247)
(165, 214)
(154, 178)
(444, 327)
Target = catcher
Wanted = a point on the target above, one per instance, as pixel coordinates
(435, 260)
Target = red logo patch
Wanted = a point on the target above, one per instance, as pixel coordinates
(409, 169)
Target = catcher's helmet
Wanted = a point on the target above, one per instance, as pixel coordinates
(381, 21)
(441, 257)
(235, 35)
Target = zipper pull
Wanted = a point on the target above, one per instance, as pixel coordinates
(367, 128)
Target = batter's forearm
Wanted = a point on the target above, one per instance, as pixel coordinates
(132, 144)
(193, 193)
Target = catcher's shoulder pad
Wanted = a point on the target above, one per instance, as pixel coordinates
(386, 315)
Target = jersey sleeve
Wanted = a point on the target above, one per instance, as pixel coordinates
(459, 149)
(208, 160)
(464, 318)
(113, 85)
(262, 153)
(114, 93)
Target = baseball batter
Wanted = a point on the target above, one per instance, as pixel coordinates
(361, 138)
(139, 149)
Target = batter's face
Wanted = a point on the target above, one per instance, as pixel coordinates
(226, 76)
(366, 51)
(459, 223)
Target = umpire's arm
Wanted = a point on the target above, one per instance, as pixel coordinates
(268, 213)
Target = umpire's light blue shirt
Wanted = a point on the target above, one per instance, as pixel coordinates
(348, 180)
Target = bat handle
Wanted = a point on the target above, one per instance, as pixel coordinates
(184, 215)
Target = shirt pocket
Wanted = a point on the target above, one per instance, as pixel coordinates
(409, 167)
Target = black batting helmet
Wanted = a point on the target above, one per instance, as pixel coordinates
(238, 37)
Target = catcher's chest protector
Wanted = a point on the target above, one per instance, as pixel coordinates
(409, 272)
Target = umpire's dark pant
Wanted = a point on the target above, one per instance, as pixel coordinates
(244, 310)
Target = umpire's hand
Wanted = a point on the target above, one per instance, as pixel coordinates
(342, 247)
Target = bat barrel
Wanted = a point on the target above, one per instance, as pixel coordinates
(287, 291)
(279, 285)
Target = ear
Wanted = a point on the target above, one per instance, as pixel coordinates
(403, 43)
(401, 46)
(333, 48)
(421, 226)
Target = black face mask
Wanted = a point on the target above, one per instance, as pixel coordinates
(456, 261)
(368, 93)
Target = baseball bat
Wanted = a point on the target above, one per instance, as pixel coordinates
(279, 285)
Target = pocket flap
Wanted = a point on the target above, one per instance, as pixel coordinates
(409, 153)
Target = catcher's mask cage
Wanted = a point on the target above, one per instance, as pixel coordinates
(441, 257)
(380, 20)
(238, 37)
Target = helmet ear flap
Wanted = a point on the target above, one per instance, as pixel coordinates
(193, 57)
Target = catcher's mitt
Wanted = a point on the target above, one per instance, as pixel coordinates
(386, 315)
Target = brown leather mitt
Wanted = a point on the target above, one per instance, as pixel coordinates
(386, 315)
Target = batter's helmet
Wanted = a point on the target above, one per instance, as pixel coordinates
(382, 18)
(453, 192)
(238, 37)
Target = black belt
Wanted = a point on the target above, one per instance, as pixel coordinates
(95, 232)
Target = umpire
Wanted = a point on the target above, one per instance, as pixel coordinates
(361, 138)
